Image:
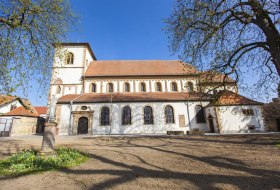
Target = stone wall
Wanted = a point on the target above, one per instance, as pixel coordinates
(271, 114)
(24, 125)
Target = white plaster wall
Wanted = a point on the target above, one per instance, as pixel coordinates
(233, 120)
(78, 51)
(137, 126)
(7, 107)
(229, 87)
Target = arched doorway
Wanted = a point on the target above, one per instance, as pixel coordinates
(211, 123)
(83, 125)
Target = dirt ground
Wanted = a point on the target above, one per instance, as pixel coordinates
(173, 162)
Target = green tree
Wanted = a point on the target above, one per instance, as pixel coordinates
(28, 28)
(234, 37)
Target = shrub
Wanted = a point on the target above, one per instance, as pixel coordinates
(28, 161)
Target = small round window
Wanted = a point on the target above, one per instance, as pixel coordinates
(84, 108)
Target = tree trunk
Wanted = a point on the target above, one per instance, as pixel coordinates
(264, 22)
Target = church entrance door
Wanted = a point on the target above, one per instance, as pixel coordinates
(83, 125)
(211, 123)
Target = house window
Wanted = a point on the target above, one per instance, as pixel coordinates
(143, 87)
(248, 112)
(174, 87)
(200, 116)
(158, 87)
(126, 115)
(110, 87)
(126, 87)
(105, 116)
(93, 87)
(70, 58)
(190, 87)
(58, 90)
(169, 114)
(148, 115)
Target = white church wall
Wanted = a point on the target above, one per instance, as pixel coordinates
(137, 122)
(233, 120)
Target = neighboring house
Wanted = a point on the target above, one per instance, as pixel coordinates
(88, 96)
(17, 117)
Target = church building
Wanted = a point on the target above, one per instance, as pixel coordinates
(90, 96)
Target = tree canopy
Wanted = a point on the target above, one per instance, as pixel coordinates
(234, 37)
(28, 28)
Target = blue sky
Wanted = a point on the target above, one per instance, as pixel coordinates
(119, 29)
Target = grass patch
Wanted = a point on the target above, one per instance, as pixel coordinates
(278, 145)
(31, 161)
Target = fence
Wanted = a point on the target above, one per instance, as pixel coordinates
(5, 127)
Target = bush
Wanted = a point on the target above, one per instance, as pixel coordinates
(28, 161)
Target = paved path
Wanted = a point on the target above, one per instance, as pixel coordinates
(193, 162)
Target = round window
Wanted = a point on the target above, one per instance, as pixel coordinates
(84, 108)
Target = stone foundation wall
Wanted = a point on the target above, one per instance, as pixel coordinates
(271, 114)
(24, 125)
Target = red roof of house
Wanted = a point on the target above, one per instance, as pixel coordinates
(6, 99)
(22, 111)
(41, 110)
(230, 98)
(139, 68)
(131, 97)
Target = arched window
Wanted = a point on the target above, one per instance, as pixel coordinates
(143, 87)
(110, 87)
(169, 114)
(105, 116)
(126, 87)
(200, 116)
(190, 87)
(158, 87)
(126, 115)
(174, 87)
(93, 87)
(58, 90)
(148, 115)
(70, 58)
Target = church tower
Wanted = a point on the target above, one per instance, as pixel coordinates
(70, 63)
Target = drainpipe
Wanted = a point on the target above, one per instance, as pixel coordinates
(70, 131)
(190, 125)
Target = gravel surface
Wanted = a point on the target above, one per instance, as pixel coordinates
(157, 162)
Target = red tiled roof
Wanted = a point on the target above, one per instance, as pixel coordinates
(6, 99)
(230, 98)
(213, 77)
(139, 68)
(22, 111)
(41, 110)
(132, 97)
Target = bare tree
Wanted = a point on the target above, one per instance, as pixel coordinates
(233, 37)
(27, 30)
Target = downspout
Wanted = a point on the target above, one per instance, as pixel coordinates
(70, 131)
(190, 125)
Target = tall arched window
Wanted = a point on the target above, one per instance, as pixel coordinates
(58, 90)
(190, 87)
(143, 87)
(126, 115)
(93, 87)
(70, 58)
(148, 116)
(174, 87)
(126, 87)
(105, 116)
(158, 87)
(200, 116)
(169, 114)
(110, 87)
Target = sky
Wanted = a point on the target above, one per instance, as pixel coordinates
(119, 29)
